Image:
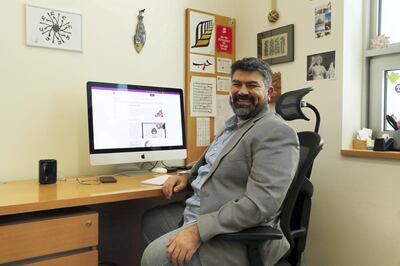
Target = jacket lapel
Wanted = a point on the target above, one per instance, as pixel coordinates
(236, 138)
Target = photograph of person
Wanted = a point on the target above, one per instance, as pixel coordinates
(321, 66)
(153, 130)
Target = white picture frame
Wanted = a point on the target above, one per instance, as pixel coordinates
(53, 28)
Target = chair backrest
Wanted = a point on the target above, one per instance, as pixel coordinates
(291, 218)
(289, 104)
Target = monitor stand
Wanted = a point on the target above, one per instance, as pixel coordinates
(133, 169)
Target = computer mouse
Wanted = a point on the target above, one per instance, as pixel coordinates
(159, 170)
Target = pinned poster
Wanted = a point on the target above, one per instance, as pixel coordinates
(202, 132)
(224, 39)
(202, 33)
(224, 111)
(223, 84)
(202, 63)
(224, 65)
(202, 96)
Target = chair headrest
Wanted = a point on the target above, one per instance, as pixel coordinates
(289, 104)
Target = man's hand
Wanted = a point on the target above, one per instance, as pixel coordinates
(183, 245)
(174, 184)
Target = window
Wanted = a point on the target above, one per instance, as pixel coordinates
(392, 94)
(384, 65)
(388, 14)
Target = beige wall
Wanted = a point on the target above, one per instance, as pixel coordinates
(43, 91)
(356, 213)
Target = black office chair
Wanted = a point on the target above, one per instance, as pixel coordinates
(295, 210)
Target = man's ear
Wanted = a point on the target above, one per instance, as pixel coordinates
(270, 91)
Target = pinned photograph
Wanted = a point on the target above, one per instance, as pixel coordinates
(323, 20)
(321, 66)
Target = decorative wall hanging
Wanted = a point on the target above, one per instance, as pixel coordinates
(139, 39)
(321, 66)
(273, 15)
(276, 83)
(276, 46)
(53, 28)
(323, 20)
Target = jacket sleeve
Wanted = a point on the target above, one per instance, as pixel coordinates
(275, 158)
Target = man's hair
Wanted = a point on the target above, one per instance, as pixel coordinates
(250, 64)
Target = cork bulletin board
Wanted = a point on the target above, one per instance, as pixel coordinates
(210, 51)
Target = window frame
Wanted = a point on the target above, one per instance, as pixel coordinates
(374, 99)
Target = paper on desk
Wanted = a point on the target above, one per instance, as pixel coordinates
(158, 181)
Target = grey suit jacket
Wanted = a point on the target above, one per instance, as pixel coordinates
(246, 187)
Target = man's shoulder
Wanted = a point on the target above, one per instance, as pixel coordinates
(272, 122)
(271, 118)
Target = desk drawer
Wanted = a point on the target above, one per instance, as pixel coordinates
(81, 259)
(48, 235)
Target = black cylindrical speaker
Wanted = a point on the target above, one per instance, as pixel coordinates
(47, 171)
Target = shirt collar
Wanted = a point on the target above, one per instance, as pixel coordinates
(234, 121)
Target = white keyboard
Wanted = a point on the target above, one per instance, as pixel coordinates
(159, 180)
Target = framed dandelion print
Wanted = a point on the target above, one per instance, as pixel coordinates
(53, 28)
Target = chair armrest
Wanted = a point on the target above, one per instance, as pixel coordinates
(299, 232)
(307, 188)
(259, 233)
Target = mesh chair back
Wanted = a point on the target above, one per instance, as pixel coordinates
(288, 106)
(310, 145)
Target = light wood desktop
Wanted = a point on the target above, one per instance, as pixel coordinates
(18, 198)
(28, 195)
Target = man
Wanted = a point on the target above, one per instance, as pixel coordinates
(238, 183)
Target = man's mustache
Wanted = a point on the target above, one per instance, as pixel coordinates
(242, 97)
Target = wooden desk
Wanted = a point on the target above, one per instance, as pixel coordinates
(21, 197)
(29, 196)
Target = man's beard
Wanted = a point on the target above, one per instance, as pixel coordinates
(245, 111)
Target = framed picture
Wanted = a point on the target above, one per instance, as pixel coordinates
(53, 28)
(276, 46)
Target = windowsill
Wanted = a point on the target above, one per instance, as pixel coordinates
(392, 49)
(371, 154)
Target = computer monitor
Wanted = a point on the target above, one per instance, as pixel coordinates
(132, 123)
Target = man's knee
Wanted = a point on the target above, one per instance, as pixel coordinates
(155, 254)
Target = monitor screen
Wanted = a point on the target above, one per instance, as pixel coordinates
(132, 123)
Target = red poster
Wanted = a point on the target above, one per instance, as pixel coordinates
(224, 39)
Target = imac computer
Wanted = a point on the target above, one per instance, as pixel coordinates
(133, 124)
